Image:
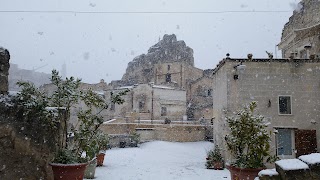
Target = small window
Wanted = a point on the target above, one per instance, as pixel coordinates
(284, 105)
(163, 111)
(112, 106)
(304, 54)
(210, 92)
(141, 106)
(168, 77)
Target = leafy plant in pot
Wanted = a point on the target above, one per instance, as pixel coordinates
(70, 155)
(214, 159)
(103, 141)
(135, 139)
(248, 143)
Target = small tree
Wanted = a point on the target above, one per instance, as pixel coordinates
(249, 141)
(66, 95)
(135, 139)
(214, 155)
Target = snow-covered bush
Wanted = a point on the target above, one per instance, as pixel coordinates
(213, 155)
(249, 140)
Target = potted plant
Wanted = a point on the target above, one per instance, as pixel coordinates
(248, 143)
(135, 139)
(71, 157)
(214, 159)
(102, 140)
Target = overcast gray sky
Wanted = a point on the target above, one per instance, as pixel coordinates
(98, 46)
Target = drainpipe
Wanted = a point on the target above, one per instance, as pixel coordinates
(152, 106)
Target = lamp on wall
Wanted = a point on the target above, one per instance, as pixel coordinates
(239, 67)
(313, 121)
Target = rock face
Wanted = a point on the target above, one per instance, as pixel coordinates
(168, 50)
(4, 70)
(300, 36)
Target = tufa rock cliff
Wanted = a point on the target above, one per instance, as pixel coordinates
(167, 50)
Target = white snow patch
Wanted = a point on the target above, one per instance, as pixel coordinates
(313, 158)
(268, 172)
(162, 87)
(99, 92)
(309, 69)
(292, 164)
(13, 93)
(125, 87)
(54, 108)
(109, 121)
(160, 160)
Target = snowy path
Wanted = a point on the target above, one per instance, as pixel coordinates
(159, 160)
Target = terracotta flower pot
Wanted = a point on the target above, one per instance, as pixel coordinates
(243, 174)
(68, 171)
(218, 165)
(100, 159)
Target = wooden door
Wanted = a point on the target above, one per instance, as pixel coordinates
(306, 142)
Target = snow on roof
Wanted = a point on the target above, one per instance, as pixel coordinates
(162, 87)
(268, 172)
(13, 93)
(292, 164)
(313, 158)
(99, 92)
(54, 108)
(109, 121)
(125, 87)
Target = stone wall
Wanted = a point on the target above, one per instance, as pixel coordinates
(4, 70)
(163, 132)
(26, 146)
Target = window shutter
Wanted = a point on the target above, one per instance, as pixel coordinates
(305, 141)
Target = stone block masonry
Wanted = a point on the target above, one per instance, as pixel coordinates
(26, 147)
(4, 70)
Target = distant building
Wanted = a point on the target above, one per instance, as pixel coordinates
(301, 35)
(150, 102)
(288, 96)
(200, 98)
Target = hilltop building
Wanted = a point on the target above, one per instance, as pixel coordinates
(170, 64)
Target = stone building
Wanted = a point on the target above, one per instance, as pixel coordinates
(170, 63)
(200, 98)
(4, 70)
(162, 83)
(149, 102)
(288, 96)
(301, 35)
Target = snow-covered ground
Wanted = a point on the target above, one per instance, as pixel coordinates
(159, 160)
